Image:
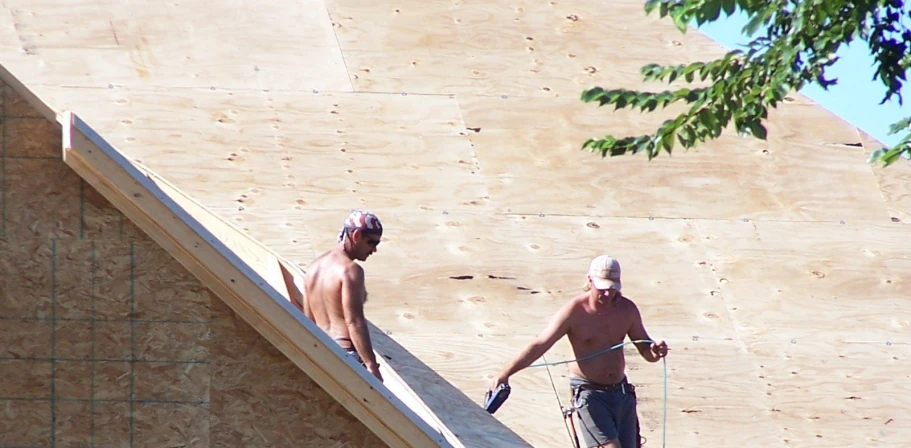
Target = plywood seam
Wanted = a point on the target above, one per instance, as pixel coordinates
(132, 337)
(124, 360)
(3, 187)
(104, 319)
(876, 183)
(110, 400)
(472, 212)
(338, 47)
(216, 88)
(53, 363)
(474, 153)
(92, 308)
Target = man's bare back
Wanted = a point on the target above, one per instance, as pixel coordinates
(335, 292)
(324, 282)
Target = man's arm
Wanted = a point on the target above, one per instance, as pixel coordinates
(305, 306)
(556, 329)
(649, 351)
(353, 305)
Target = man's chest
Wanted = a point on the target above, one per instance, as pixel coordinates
(594, 329)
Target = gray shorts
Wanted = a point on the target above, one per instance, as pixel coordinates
(606, 412)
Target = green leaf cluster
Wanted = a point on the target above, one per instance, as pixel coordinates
(792, 44)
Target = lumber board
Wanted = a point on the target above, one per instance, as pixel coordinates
(242, 288)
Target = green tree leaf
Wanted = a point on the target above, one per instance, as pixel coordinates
(791, 44)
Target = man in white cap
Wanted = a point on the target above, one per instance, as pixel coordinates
(594, 321)
(335, 290)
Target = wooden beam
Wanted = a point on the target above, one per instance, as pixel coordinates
(243, 289)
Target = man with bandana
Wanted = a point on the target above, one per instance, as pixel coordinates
(335, 291)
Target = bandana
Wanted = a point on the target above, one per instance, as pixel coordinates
(361, 220)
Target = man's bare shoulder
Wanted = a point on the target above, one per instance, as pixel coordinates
(575, 303)
(352, 270)
(341, 266)
(628, 309)
(318, 262)
(626, 304)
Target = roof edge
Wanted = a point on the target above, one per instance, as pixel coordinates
(144, 199)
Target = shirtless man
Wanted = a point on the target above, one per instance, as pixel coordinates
(335, 291)
(594, 321)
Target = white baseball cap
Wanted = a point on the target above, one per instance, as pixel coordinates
(605, 273)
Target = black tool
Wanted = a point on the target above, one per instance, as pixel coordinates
(493, 399)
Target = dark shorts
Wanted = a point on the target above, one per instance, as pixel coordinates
(606, 412)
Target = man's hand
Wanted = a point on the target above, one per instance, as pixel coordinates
(375, 370)
(659, 350)
(497, 381)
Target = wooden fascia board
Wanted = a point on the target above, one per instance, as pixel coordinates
(241, 287)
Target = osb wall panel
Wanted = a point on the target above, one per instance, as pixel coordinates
(105, 340)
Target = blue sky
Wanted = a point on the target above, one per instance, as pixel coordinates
(855, 98)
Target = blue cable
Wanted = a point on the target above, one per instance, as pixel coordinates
(663, 361)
